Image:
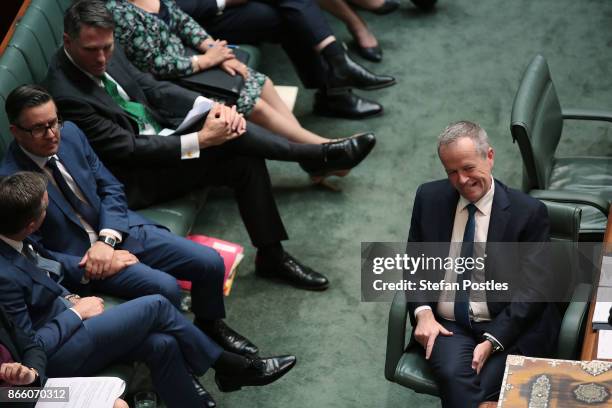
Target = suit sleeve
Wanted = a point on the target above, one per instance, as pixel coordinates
(53, 334)
(70, 263)
(415, 236)
(536, 276)
(116, 144)
(30, 353)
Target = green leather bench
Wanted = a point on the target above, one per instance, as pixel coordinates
(37, 36)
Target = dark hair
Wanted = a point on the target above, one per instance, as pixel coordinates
(87, 12)
(21, 197)
(25, 96)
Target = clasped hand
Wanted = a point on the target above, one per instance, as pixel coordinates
(102, 261)
(222, 124)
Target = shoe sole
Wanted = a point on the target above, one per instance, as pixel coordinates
(379, 86)
(295, 285)
(352, 117)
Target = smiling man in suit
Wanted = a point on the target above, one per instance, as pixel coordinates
(465, 340)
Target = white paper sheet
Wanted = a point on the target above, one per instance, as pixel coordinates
(86, 392)
(604, 344)
(195, 114)
(605, 277)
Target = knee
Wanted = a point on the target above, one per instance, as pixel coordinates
(161, 344)
(169, 289)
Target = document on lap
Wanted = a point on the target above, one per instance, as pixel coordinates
(194, 115)
(91, 392)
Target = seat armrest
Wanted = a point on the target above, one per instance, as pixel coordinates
(584, 114)
(396, 333)
(573, 323)
(574, 197)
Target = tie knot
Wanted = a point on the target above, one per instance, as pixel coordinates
(52, 162)
(471, 209)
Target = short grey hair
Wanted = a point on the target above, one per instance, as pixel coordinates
(468, 129)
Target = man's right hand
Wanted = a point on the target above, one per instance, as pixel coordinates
(89, 307)
(427, 330)
(217, 128)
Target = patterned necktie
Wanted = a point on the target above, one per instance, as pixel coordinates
(462, 301)
(81, 207)
(135, 110)
(53, 268)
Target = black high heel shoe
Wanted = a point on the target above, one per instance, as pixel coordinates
(373, 54)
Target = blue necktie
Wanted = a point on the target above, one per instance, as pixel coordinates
(50, 266)
(462, 301)
(79, 206)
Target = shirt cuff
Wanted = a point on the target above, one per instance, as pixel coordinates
(418, 309)
(190, 146)
(115, 234)
(77, 313)
(490, 336)
(220, 6)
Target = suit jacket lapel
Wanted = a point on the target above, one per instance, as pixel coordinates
(30, 269)
(25, 163)
(77, 175)
(88, 85)
(500, 214)
(448, 208)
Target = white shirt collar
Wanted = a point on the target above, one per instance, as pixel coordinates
(39, 160)
(485, 203)
(16, 245)
(97, 80)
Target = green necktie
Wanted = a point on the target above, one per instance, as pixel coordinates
(136, 110)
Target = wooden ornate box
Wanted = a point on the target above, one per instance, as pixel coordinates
(547, 383)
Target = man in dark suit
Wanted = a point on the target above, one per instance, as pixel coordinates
(302, 30)
(102, 245)
(155, 168)
(22, 362)
(80, 338)
(466, 338)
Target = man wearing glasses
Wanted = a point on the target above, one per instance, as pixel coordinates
(101, 244)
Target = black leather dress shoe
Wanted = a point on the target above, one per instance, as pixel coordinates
(345, 104)
(426, 5)
(388, 6)
(260, 371)
(228, 338)
(293, 272)
(341, 155)
(347, 73)
(373, 54)
(208, 400)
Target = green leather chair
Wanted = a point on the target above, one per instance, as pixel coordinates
(38, 24)
(25, 41)
(54, 15)
(405, 362)
(537, 124)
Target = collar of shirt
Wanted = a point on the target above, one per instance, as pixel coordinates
(38, 160)
(16, 245)
(483, 205)
(93, 78)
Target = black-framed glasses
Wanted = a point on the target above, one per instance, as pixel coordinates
(40, 131)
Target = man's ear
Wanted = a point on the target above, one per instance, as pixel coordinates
(67, 40)
(31, 227)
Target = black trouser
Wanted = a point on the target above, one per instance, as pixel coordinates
(298, 25)
(238, 164)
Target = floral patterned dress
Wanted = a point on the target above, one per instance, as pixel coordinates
(156, 43)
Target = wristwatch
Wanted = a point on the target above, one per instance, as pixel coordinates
(496, 346)
(108, 240)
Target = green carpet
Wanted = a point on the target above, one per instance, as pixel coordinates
(462, 61)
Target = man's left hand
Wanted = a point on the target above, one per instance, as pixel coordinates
(481, 353)
(17, 374)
